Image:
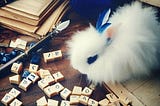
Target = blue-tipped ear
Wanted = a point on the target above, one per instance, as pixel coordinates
(103, 27)
(102, 20)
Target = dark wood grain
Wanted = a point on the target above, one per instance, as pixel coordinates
(72, 76)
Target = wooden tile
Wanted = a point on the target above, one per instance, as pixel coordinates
(12, 44)
(74, 99)
(15, 79)
(92, 102)
(92, 86)
(114, 104)
(52, 102)
(16, 102)
(65, 103)
(33, 77)
(87, 91)
(25, 73)
(43, 73)
(104, 102)
(33, 68)
(7, 99)
(21, 44)
(58, 76)
(65, 93)
(77, 90)
(49, 79)
(49, 91)
(41, 101)
(24, 84)
(57, 54)
(48, 57)
(112, 97)
(14, 92)
(83, 99)
(57, 87)
(16, 68)
(124, 100)
(42, 83)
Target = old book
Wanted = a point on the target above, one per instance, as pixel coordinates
(48, 24)
(22, 31)
(152, 2)
(10, 13)
(32, 7)
(41, 30)
(18, 24)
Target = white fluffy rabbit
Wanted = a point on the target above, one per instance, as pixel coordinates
(120, 47)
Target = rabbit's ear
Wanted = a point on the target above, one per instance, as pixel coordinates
(103, 18)
(110, 32)
(103, 28)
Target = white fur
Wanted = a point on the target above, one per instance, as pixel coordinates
(132, 52)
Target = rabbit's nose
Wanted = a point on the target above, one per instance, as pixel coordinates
(92, 59)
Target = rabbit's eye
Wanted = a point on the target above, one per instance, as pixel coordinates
(109, 40)
(92, 59)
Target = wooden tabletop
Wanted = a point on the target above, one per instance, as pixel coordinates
(72, 76)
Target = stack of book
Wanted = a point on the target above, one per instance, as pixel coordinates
(33, 17)
(152, 2)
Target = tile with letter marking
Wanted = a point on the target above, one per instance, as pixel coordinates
(57, 54)
(65, 103)
(48, 57)
(42, 83)
(33, 77)
(52, 102)
(33, 68)
(12, 44)
(49, 79)
(74, 99)
(104, 102)
(42, 101)
(21, 44)
(57, 87)
(77, 90)
(7, 99)
(83, 99)
(87, 91)
(49, 91)
(24, 84)
(16, 68)
(65, 93)
(14, 92)
(112, 97)
(16, 102)
(15, 79)
(92, 102)
(124, 100)
(116, 103)
(58, 76)
(43, 73)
